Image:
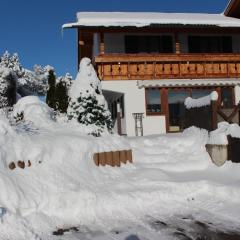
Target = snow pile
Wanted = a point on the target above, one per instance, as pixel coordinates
(63, 188)
(175, 152)
(219, 136)
(31, 109)
(201, 102)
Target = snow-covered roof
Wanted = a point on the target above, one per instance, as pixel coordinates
(144, 19)
(188, 83)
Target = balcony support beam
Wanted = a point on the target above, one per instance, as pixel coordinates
(177, 43)
(102, 44)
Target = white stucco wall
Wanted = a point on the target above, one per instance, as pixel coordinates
(134, 101)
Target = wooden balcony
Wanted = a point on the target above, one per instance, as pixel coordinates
(167, 66)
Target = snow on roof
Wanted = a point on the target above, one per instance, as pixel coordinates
(188, 82)
(143, 19)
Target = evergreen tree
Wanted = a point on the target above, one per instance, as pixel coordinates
(8, 88)
(88, 105)
(50, 99)
(62, 92)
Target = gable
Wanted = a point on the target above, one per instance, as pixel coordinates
(233, 9)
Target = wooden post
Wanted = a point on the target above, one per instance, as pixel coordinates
(80, 46)
(116, 158)
(102, 160)
(177, 44)
(109, 158)
(102, 45)
(214, 109)
(229, 148)
(123, 157)
(239, 113)
(129, 156)
(96, 158)
(119, 121)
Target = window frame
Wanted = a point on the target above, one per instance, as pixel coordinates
(146, 102)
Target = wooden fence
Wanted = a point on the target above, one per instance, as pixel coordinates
(208, 117)
(113, 159)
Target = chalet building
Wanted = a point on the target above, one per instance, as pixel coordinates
(149, 63)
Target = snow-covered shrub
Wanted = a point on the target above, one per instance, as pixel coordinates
(31, 109)
(87, 103)
(8, 87)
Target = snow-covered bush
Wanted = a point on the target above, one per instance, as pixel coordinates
(87, 103)
(31, 109)
(7, 87)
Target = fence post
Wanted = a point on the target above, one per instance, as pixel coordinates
(214, 109)
(239, 113)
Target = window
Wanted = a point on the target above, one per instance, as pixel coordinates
(227, 99)
(199, 93)
(210, 44)
(148, 44)
(153, 101)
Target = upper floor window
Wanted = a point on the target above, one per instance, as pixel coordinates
(210, 44)
(148, 44)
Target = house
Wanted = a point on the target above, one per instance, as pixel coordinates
(149, 63)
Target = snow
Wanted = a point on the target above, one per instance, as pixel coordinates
(201, 102)
(219, 136)
(34, 111)
(189, 82)
(86, 81)
(172, 177)
(143, 19)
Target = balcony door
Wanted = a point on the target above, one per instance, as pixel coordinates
(176, 107)
(176, 99)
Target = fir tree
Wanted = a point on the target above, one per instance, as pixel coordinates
(88, 105)
(50, 98)
(8, 89)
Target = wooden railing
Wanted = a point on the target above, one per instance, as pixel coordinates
(167, 66)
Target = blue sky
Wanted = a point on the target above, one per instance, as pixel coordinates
(32, 28)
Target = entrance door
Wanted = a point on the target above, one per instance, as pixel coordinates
(176, 100)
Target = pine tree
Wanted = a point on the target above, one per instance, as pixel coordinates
(50, 99)
(88, 105)
(61, 93)
(8, 89)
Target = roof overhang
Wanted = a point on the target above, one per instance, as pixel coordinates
(151, 19)
(188, 83)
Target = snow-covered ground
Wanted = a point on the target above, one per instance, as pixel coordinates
(171, 184)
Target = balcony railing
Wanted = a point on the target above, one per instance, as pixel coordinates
(167, 66)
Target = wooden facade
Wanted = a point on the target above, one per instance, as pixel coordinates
(171, 66)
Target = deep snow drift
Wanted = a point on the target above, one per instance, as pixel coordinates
(172, 175)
